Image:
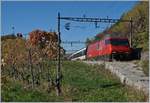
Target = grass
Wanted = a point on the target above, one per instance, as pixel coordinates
(81, 82)
(14, 92)
(145, 66)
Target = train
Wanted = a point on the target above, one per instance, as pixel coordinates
(79, 55)
(108, 49)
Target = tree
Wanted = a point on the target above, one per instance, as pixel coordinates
(42, 38)
(47, 42)
(14, 54)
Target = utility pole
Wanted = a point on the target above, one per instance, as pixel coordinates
(81, 19)
(13, 30)
(58, 59)
(131, 28)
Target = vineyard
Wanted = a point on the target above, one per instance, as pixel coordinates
(80, 82)
(37, 67)
(29, 74)
(31, 61)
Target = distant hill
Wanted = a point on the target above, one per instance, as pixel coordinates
(140, 16)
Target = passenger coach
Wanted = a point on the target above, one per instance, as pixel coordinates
(79, 55)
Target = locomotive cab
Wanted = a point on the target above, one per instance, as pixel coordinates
(109, 48)
(119, 48)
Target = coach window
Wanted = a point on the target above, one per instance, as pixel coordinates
(84, 52)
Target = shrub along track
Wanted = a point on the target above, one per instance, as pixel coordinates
(81, 82)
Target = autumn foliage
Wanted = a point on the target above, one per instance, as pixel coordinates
(37, 37)
(41, 43)
(29, 60)
(45, 41)
(14, 51)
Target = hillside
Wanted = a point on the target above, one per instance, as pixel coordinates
(140, 16)
(81, 82)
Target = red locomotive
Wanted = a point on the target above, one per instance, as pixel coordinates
(109, 48)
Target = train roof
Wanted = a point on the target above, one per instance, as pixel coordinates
(115, 38)
(108, 36)
(78, 51)
(103, 36)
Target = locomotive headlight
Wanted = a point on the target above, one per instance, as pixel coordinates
(113, 52)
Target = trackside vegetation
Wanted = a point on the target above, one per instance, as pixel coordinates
(80, 82)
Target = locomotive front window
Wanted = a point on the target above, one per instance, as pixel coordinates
(117, 42)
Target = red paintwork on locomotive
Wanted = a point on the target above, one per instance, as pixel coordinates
(99, 48)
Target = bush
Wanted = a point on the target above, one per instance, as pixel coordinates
(145, 66)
